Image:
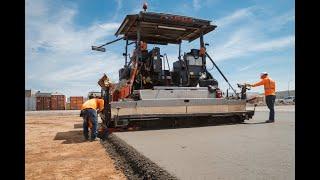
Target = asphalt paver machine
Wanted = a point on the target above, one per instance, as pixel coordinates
(150, 93)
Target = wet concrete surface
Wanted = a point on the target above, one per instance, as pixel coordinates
(253, 150)
(132, 163)
(280, 108)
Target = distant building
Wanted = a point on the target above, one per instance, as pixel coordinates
(284, 94)
(41, 94)
(56, 93)
(30, 101)
(28, 93)
(260, 97)
(279, 94)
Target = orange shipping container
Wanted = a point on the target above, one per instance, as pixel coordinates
(58, 102)
(76, 102)
(43, 103)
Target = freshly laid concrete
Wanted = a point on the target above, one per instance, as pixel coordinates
(253, 150)
(282, 108)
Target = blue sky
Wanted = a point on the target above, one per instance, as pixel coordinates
(252, 36)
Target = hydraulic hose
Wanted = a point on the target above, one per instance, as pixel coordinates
(222, 74)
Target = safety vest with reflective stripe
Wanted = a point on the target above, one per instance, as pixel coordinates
(269, 86)
(93, 104)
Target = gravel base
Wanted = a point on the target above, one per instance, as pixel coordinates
(133, 164)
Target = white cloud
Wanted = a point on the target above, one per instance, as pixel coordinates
(59, 55)
(248, 67)
(240, 46)
(247, 35)
(108, 26)
(196, 4)
(249, 72)
(191, 8)
(119, 6)
(240, 14)
(274, 44)
(61, 36)
(86, 69)
(278, 22)
(36, 8)
(250, 33)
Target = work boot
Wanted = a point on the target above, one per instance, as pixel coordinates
(95, 139)
(270, 121)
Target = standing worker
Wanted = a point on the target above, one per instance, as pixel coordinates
(269, 91)
(89, 112)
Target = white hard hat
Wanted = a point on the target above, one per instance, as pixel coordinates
(263, 73)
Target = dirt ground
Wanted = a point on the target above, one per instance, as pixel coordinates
(54, 149)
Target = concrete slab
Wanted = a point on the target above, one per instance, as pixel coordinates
(253, 150)
(280, 108)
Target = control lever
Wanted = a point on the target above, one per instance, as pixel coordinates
(244, 87)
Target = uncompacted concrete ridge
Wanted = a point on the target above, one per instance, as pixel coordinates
(253, 150)
(54, 149)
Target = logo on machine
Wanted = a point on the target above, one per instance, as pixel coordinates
(177, 19)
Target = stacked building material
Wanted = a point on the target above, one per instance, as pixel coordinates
(76, 102)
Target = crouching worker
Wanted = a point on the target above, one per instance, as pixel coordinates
(90, 117)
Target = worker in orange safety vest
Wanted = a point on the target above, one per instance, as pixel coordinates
(269, 91)
(89, 112)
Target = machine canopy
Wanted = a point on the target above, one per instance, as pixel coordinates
(159, 28)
